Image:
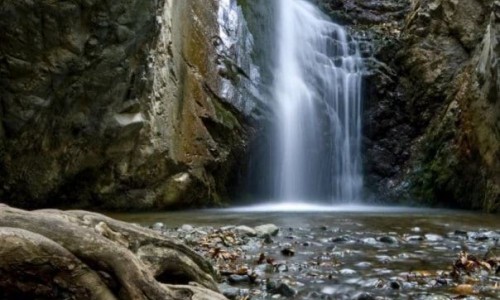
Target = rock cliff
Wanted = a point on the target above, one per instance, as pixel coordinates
(122, 104)
(432, 105)
(450, 60)
(152, 104)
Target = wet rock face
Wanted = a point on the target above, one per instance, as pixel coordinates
(131, 104)
(452, 79)
(388, 134)
(431, 108)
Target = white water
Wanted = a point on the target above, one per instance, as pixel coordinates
(318, 107)
(308, 207)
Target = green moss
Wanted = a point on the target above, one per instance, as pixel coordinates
(225, 116)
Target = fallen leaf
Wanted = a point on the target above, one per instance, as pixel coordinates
(464, 289)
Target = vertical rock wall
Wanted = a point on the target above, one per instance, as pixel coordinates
(451, 58)
(122, 104)
(432, 111)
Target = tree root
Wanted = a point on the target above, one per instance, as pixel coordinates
(53, 254)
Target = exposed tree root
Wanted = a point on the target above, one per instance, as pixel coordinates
(52, 254)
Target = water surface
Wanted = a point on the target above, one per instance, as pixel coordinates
(343, 252)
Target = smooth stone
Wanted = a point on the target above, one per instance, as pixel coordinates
(226, 228)
(285, 290)
(158, 226)
(271, 285)
(365, 296)
(433, 237)
(414, 238)
(229, 292)
(267, 229)
(363, 264)
(370, 241)
(288, 251)
(395, 285)
(186, 227)
(388, 240)
(340, 239)
(245, 230)
(238, 278)
(383, 258)
(347, 272)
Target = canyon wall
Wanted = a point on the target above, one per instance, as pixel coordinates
(123, 104)
(152, 104)
(432, 106)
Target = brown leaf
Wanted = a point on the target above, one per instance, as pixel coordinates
(464, 289)
(215, 252)
(485, 265)
(243, 270)
(262, 258)
(270, 261)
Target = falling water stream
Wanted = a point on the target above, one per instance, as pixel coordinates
(317, 91)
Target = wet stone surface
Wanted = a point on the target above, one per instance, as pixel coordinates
(353, 261)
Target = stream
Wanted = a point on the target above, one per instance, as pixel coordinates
(344, 252)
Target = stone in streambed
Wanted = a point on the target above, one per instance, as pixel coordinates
(341, 239)
(285, 290)
(365, 296)
(395, 285)
(267, 239)
(267, 229)
(288, 251)
(388, 240)
(158, 226)
(370, 241)
(347, 272)
(229, 292)
(186, 228)
(414, 238)
(433, 237)
(238, 278)
(245, 230)
(280, 288)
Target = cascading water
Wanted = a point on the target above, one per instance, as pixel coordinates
(317, 92)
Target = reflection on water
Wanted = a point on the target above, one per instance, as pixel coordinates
(380, 218)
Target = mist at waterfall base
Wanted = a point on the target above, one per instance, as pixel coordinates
(314, 142)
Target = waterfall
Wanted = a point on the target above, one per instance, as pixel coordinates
(317, 98)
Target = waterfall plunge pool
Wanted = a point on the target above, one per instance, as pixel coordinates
(340, 252)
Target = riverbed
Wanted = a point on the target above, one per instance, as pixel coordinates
(343, 252)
